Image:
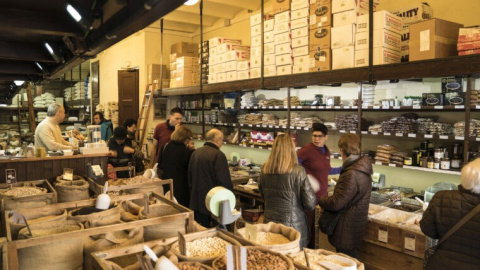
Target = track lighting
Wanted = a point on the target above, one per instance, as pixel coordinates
(80, 15)
(18, 83)
(39, 66)
(51, 50)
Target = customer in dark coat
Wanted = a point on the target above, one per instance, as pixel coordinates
(208, 168)
(351, 193)
(462, 249)
(285, 188)
(174, 163)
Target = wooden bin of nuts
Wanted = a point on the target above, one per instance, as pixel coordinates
(16, 249)
(125, 257)
(137, 184)
(259, 258)
(317, 256)
(276, 237)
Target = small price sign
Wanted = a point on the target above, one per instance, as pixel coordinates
(11, 176)
(383, 234)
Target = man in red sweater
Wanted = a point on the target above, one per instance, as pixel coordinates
(315, 158)
(162, 133)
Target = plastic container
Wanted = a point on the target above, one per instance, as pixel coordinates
(94, 133)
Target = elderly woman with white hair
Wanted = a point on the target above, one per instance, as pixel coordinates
(461, 250)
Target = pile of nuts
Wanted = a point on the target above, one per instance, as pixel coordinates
(139, 179)
(205, 247)
(269, 238)
(24, 191)
(314, 260)
(256, 259)
(191, 266)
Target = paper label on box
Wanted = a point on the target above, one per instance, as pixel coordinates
(425, 40)
(383, 234)
(410, 242)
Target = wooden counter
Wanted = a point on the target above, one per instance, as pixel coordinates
(50, 167)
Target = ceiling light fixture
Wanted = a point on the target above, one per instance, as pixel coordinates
(80, 15)
(18, 83)
(53, 53)
(190, 2)
(39, 66)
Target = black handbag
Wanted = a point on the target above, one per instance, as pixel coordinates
(328, 221)
(431, 251)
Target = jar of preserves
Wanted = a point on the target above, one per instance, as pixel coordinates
(438, 153)
(445, 163)
(430, 163)
(407, 161)
(436, 164)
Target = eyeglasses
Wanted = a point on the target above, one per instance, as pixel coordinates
(318, 136)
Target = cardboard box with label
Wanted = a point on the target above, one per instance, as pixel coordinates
(279, 6)
(320, 60)
(381, 38)
(154, 73)
(268, 37)
(255, 73)
(343, 36)
(321, 37)
(434, 38)
(300, 51)
(299, 23)
(269, 25)
(269, 71)
(281, 28)
(381, 56)
(300, 32)
(219, 40)
(301, 68)
(299, 4)
(282, 38)
(414, 13)
(269, 59)
(185, 49)
(284, 59)
(381, 20)
(343, 57)
(320, 13)
(282, 17)
(243, 75)
(255, 61)
(300, 14)
(283, 49)
(300, 42)
(345, 17)
(284, 70)
(344, 5)
(256, 30)
(243, 65)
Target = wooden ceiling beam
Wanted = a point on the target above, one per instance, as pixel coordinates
(24, 52)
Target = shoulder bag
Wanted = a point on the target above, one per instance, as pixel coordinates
(431, 251)
(328, 221)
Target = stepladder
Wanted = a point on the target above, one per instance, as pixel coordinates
(142, 122)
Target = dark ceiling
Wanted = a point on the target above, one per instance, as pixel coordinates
(25, 25)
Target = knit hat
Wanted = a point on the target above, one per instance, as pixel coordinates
(120, 133)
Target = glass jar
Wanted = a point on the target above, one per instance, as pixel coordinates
(430, 163)
(436, 164)
(407, 161)
(445, 163)
(438, 154)
(455, 163)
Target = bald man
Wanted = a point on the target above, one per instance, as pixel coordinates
(207, 169)
(48, 133)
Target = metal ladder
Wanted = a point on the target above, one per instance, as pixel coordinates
(142, 122)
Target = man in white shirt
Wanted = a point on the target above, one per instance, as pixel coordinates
(48, 133)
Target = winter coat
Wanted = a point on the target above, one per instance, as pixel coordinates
(208, 168)
(174, 163)
(286, 197)
(462, 249)
(352, 192)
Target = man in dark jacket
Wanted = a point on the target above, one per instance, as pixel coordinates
(207, 169)
(462, 249)
(351, 194)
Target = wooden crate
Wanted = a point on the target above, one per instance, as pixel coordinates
(13, 246)
(102, 256)
(98, 189)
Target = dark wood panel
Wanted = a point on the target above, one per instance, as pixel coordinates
(250, 84)
(190, 90)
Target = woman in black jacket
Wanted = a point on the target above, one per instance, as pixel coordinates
(174, 162)
(462, 249)
(285, 188)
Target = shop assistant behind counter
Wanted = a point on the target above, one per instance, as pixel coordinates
(48, 133)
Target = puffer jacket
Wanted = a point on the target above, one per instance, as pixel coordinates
(353, 191)
(462, 249)
(286, 197)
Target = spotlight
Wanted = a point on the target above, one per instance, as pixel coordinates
(80, 15)
(53, 53)
(18, 83)
(190, 2)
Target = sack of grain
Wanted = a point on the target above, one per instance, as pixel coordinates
(315, 256)
(130, 262)
(69, 191)
(192, 266)
(61, 254)
(259, 258)
(165, 229)
(107, 241)
(276, 237)
(34, 217)
(95, 216)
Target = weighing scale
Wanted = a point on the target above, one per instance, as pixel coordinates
(221, 203)
(378, 180)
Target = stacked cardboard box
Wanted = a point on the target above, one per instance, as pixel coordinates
(345, 16)
(387, 29)
(204, 56)
(299, 30)
(224, 55)
(153, 75)
(468, 41)
(184, 68)
(411, 15)
(434, 38)
(319, 50)
(256, 44)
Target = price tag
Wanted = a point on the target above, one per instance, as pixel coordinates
(293, 107)
(255, 107)
(417, 107)
(342, 131)
(321, 107)
(252, 146)
(299, 128)
(376, 107)
(364, 132)
(328, 107)
(305, 128)
(459, 106)
(270, 126)
(410, 242)
(11, 176)
(387, 133)
(250, 125)
(346, 107)
(353, 131)
(460, 138)
(264, 126)
(396, 107)
(383, 234)
(337, 107)
(243, 107)
(292, 127)
(260, 147)
(277, 107)
(443, 137)
(477, 107)
(428, 136)
(241, 125)
(277, 126)
(364, 107)
(412, 135)
(477, 139)
(392, 165)
(438, 107)
(386, 107)
(313, 107)
(284, 126)
(299, 107)
(354, 107)
(378, 163)
(270, 107)
(374, 133)
(399, 134)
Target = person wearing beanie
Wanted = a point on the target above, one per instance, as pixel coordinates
(121, 150)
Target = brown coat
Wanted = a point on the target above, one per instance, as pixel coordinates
(462, 249)
(353, 191)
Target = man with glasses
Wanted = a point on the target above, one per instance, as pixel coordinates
(162, 133)
(315, 158)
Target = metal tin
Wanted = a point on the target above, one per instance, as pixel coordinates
(407, 161)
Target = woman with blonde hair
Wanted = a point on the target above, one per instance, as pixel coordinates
(285, 188)
(174, 162)
(461, 249)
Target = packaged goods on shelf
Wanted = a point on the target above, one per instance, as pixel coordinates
(322, 37)
(257, 18)
(414, 13)
(381, 20)
(360, 6)
(381, 38)
(300, 13)
(381, 56)
(434, 38)
(469, 41)
(346, 17)
(301, 32)
(459, 128)
(343, 57)
(279, 6)
(401, 124)
(320, 59)
(185, 49)
(320, 13)
(342, 36)
(384, 152)
(270, 102)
